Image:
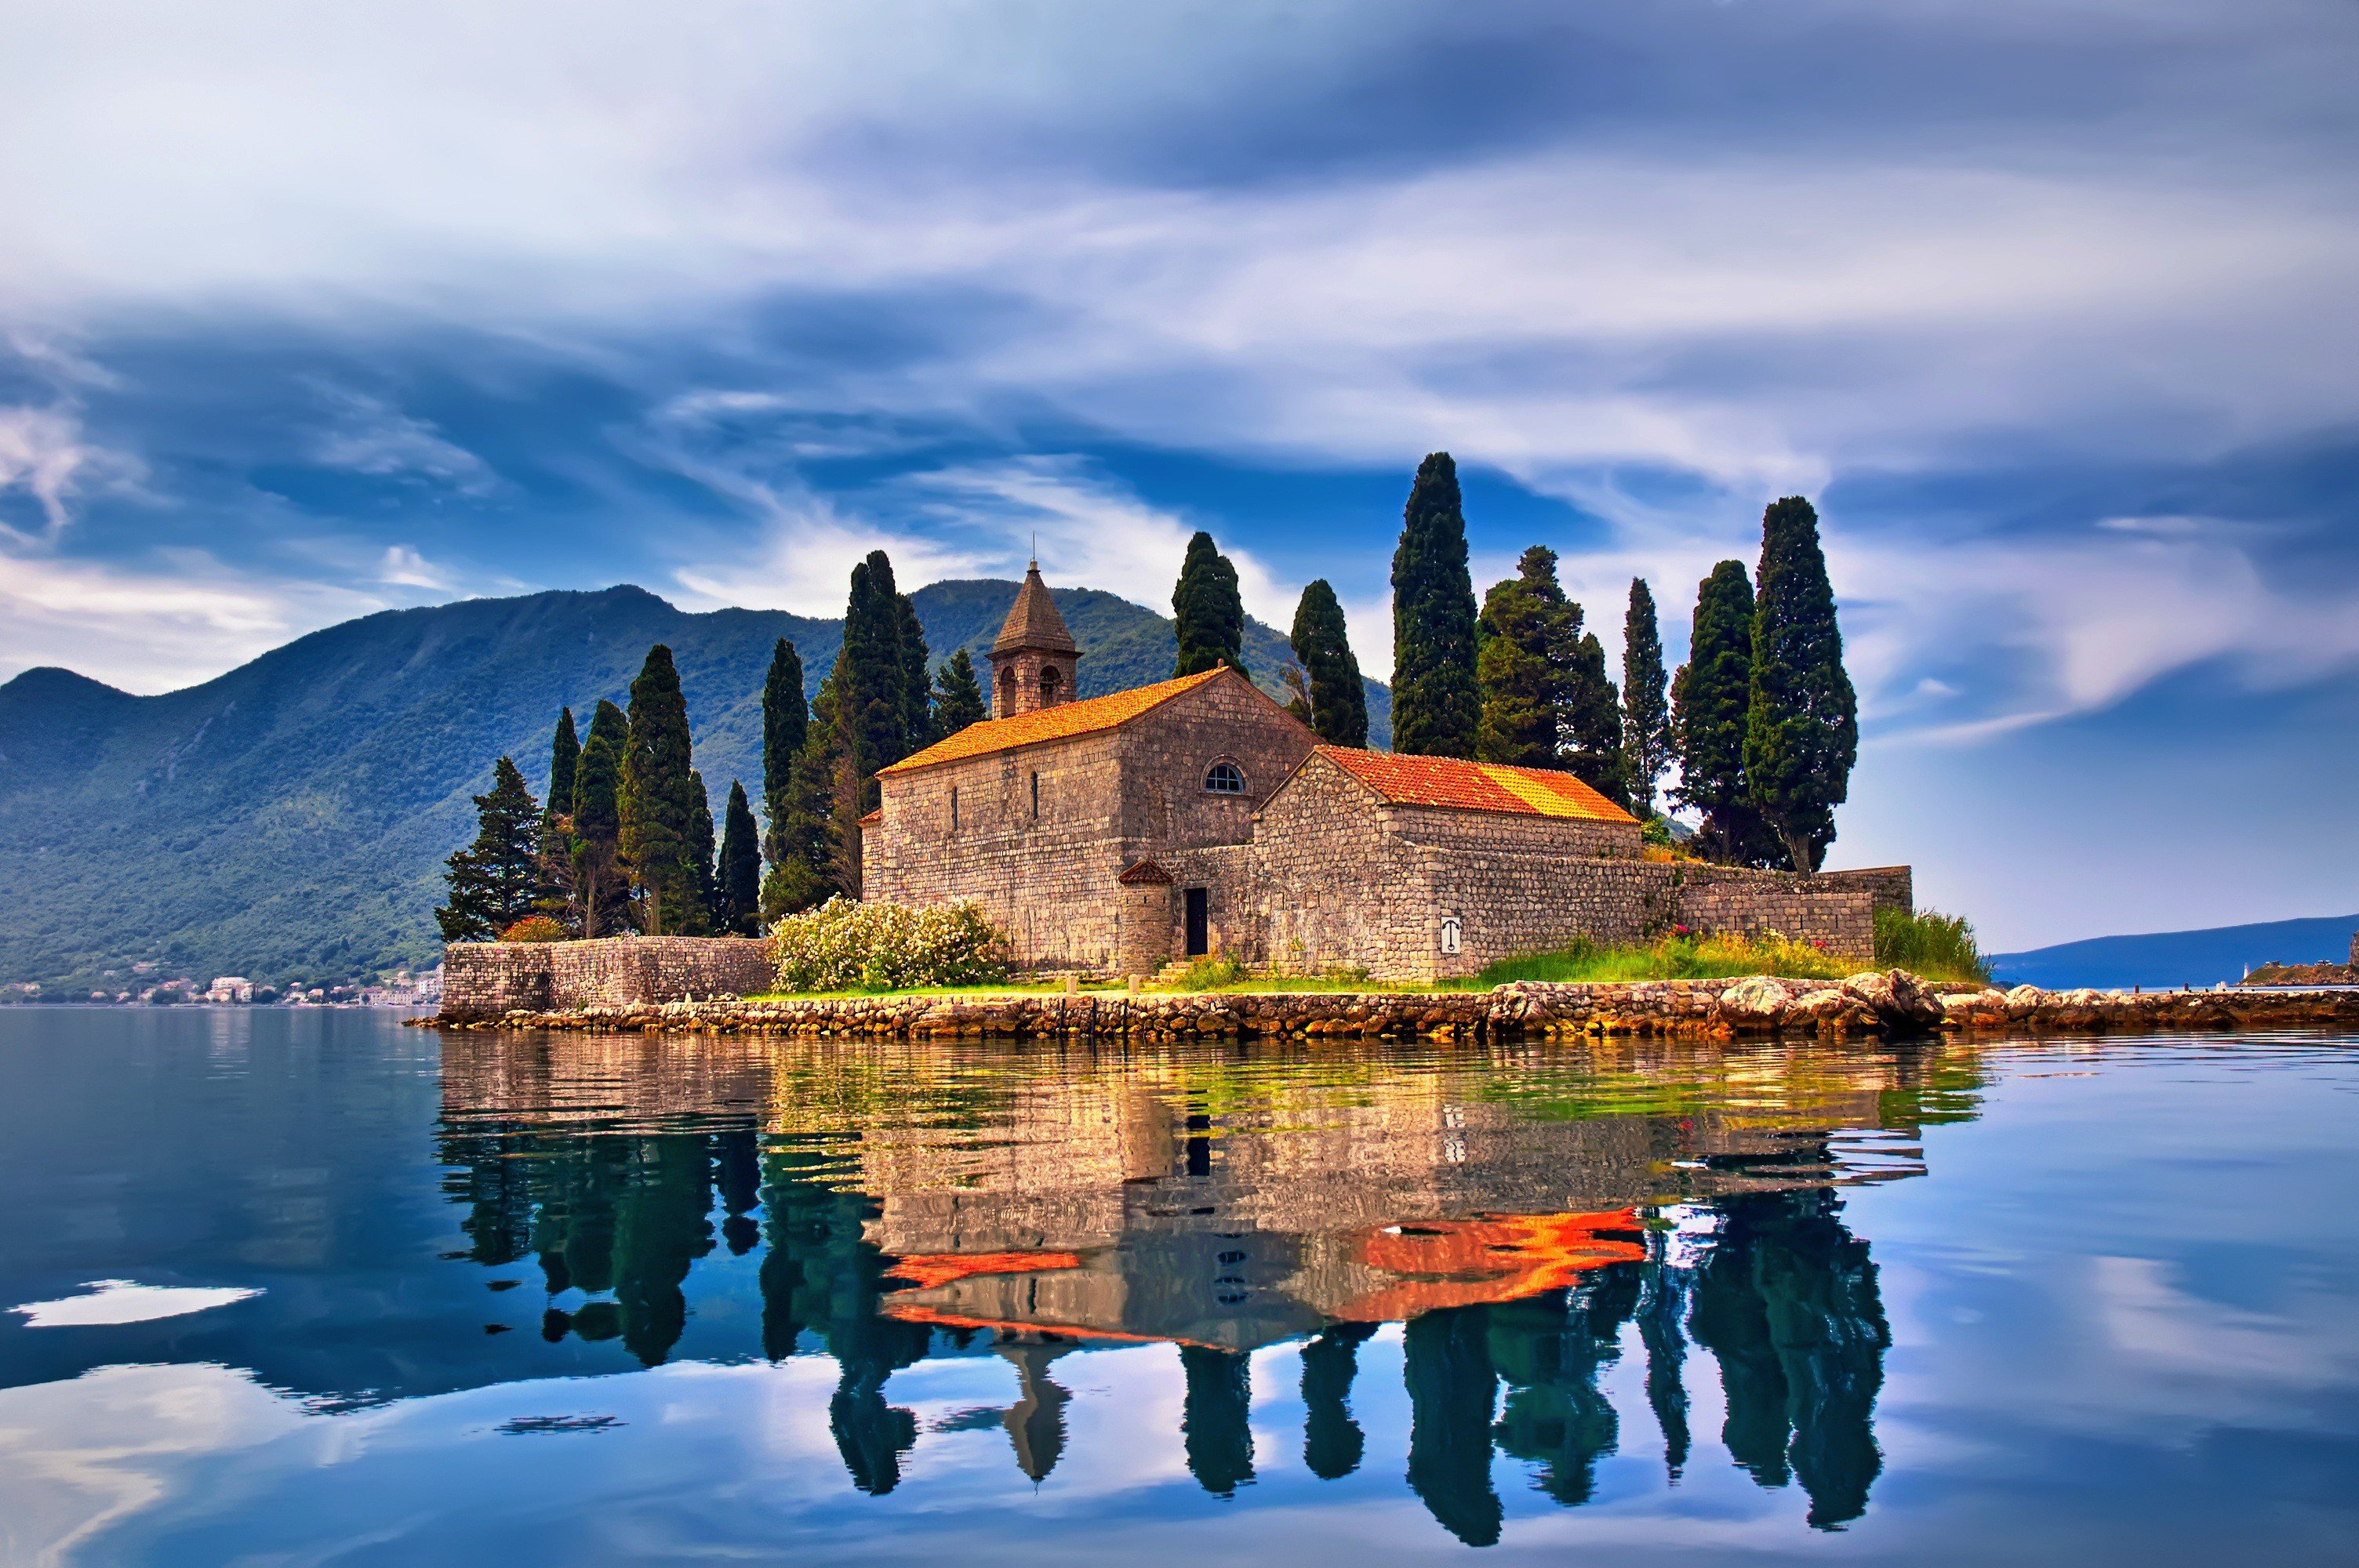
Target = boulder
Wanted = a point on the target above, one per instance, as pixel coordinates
(1898, 999)
(1757, 1000)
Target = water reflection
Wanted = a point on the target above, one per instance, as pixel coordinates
(1527, 1221)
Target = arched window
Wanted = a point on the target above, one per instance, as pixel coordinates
(1050, 679)
(1224, 778)
(1007, 693)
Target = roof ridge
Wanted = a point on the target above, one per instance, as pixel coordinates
(1086, 716)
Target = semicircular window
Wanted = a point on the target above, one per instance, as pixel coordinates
(1224, 778)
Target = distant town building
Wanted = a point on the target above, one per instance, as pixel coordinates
(230, 989)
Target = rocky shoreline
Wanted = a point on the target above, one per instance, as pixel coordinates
(1875, 1004)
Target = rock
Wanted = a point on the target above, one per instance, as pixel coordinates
(1756, 1000)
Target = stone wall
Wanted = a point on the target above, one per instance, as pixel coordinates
(485, 980)
(1841, 919)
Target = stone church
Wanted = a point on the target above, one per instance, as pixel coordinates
(1115, 834)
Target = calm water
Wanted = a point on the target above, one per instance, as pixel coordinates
(388, 1299)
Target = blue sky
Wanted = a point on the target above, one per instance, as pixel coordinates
(308, 310)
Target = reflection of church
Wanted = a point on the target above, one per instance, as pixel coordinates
(908, 1209)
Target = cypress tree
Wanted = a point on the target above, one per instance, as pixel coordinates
(957, 696)
(1524, 642)
(1802, 727)
(555, 849)
(1208, 617)
(785, 719)
(1709, 698)
(701, 848)
(601, 875)
(660, 800)
(1645, 717)
(1592, 720)
(494, 880)
(812, 861)
(1335, 694)
(1435, 708)
(882, 721)
(918, 731)
(740, 874)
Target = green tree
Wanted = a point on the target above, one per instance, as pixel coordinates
(881, 720)
(806, 864)
(1435, 708)
(785, 718)
(1337, 698)
(1525, 642)
(493, 880)
(916, 682)
(701, 848)
(555, 848)
(1801, 728)
(957, 696)
(1208, 617)
(601, 875)
(1645, 713)
(1592, 722)
(738, 906)
(659, 803)
(1709, 699)
(564, 753)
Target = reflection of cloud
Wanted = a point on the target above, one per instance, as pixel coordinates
(121, 1300)
(2149, 1319)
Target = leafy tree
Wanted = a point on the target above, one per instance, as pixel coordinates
(1646, 716)
(1801, 729)
(1709, 698)
(1207, 616)
(602, 874)
(785, 717)
(701, 848)
(1524, 642)
(1592, 722)
(1337, 699)
(957, 696)
(555, 848)
(659, 803)
(493, 880)
(738, 906)
(1435, 708)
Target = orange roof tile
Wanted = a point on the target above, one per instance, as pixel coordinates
(1475, 787)
(1058, 723)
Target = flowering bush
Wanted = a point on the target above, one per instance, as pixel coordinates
(843, 945)
(534, 928)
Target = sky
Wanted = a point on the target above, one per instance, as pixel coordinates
(307, 311)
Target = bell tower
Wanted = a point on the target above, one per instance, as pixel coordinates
(1034, 659)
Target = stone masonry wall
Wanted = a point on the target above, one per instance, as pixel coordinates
(482, 979)
(1839, 919)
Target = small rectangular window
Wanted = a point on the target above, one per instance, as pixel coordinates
(953, 808)
(1035, 797)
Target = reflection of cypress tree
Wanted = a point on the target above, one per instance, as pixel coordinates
(1216, 1420)
(737, 1171)
(1550, 1348)
(1331, 1441)
(1035, 1424)
(1787, 1301)
(1450, 1391)
(661, 1228)
(499, 1192)
(575, 1233)
(1660, 1311)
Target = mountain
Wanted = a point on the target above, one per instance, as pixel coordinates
(289, 819)
(2162, 959)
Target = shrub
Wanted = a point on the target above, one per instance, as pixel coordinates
(1929, 943)
(847, 945)
(534, 928)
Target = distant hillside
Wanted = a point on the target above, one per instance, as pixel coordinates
(290, 818)
(2162, 959)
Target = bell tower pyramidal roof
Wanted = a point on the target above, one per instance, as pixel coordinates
(1033, 621)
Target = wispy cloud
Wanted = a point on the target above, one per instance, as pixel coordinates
(368, 436)
(44, 454)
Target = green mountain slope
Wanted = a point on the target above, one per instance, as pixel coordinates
(290, 818)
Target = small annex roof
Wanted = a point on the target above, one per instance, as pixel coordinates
(1033, 621)
(1460, 786)
(1061, 722)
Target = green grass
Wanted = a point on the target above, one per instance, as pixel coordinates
(1673, 957)
(1927, 942)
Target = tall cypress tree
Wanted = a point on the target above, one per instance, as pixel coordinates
(1592, 720)
(1646, 716)
(1801, 729)
(738, 906)
(1208, 617)
(957, 696)
(1524, 642)
(555, 849)
(701, 847)
(1435, 706)
(874, 705)
(602, 874)
(1337, 697)
(917, 730)
(658, 802)
(1709, 698)
(494, 880)
(785, 717)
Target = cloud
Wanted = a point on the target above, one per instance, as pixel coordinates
(403, 567)
(368, 436)
(44, 453)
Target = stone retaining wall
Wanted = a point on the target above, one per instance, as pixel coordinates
(485, 980)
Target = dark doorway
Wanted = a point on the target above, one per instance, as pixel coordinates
(1199, 922)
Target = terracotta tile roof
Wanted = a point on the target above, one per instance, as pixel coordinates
(874, 818)
(1475, 787)
(1033, 621)
(1058, 723)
